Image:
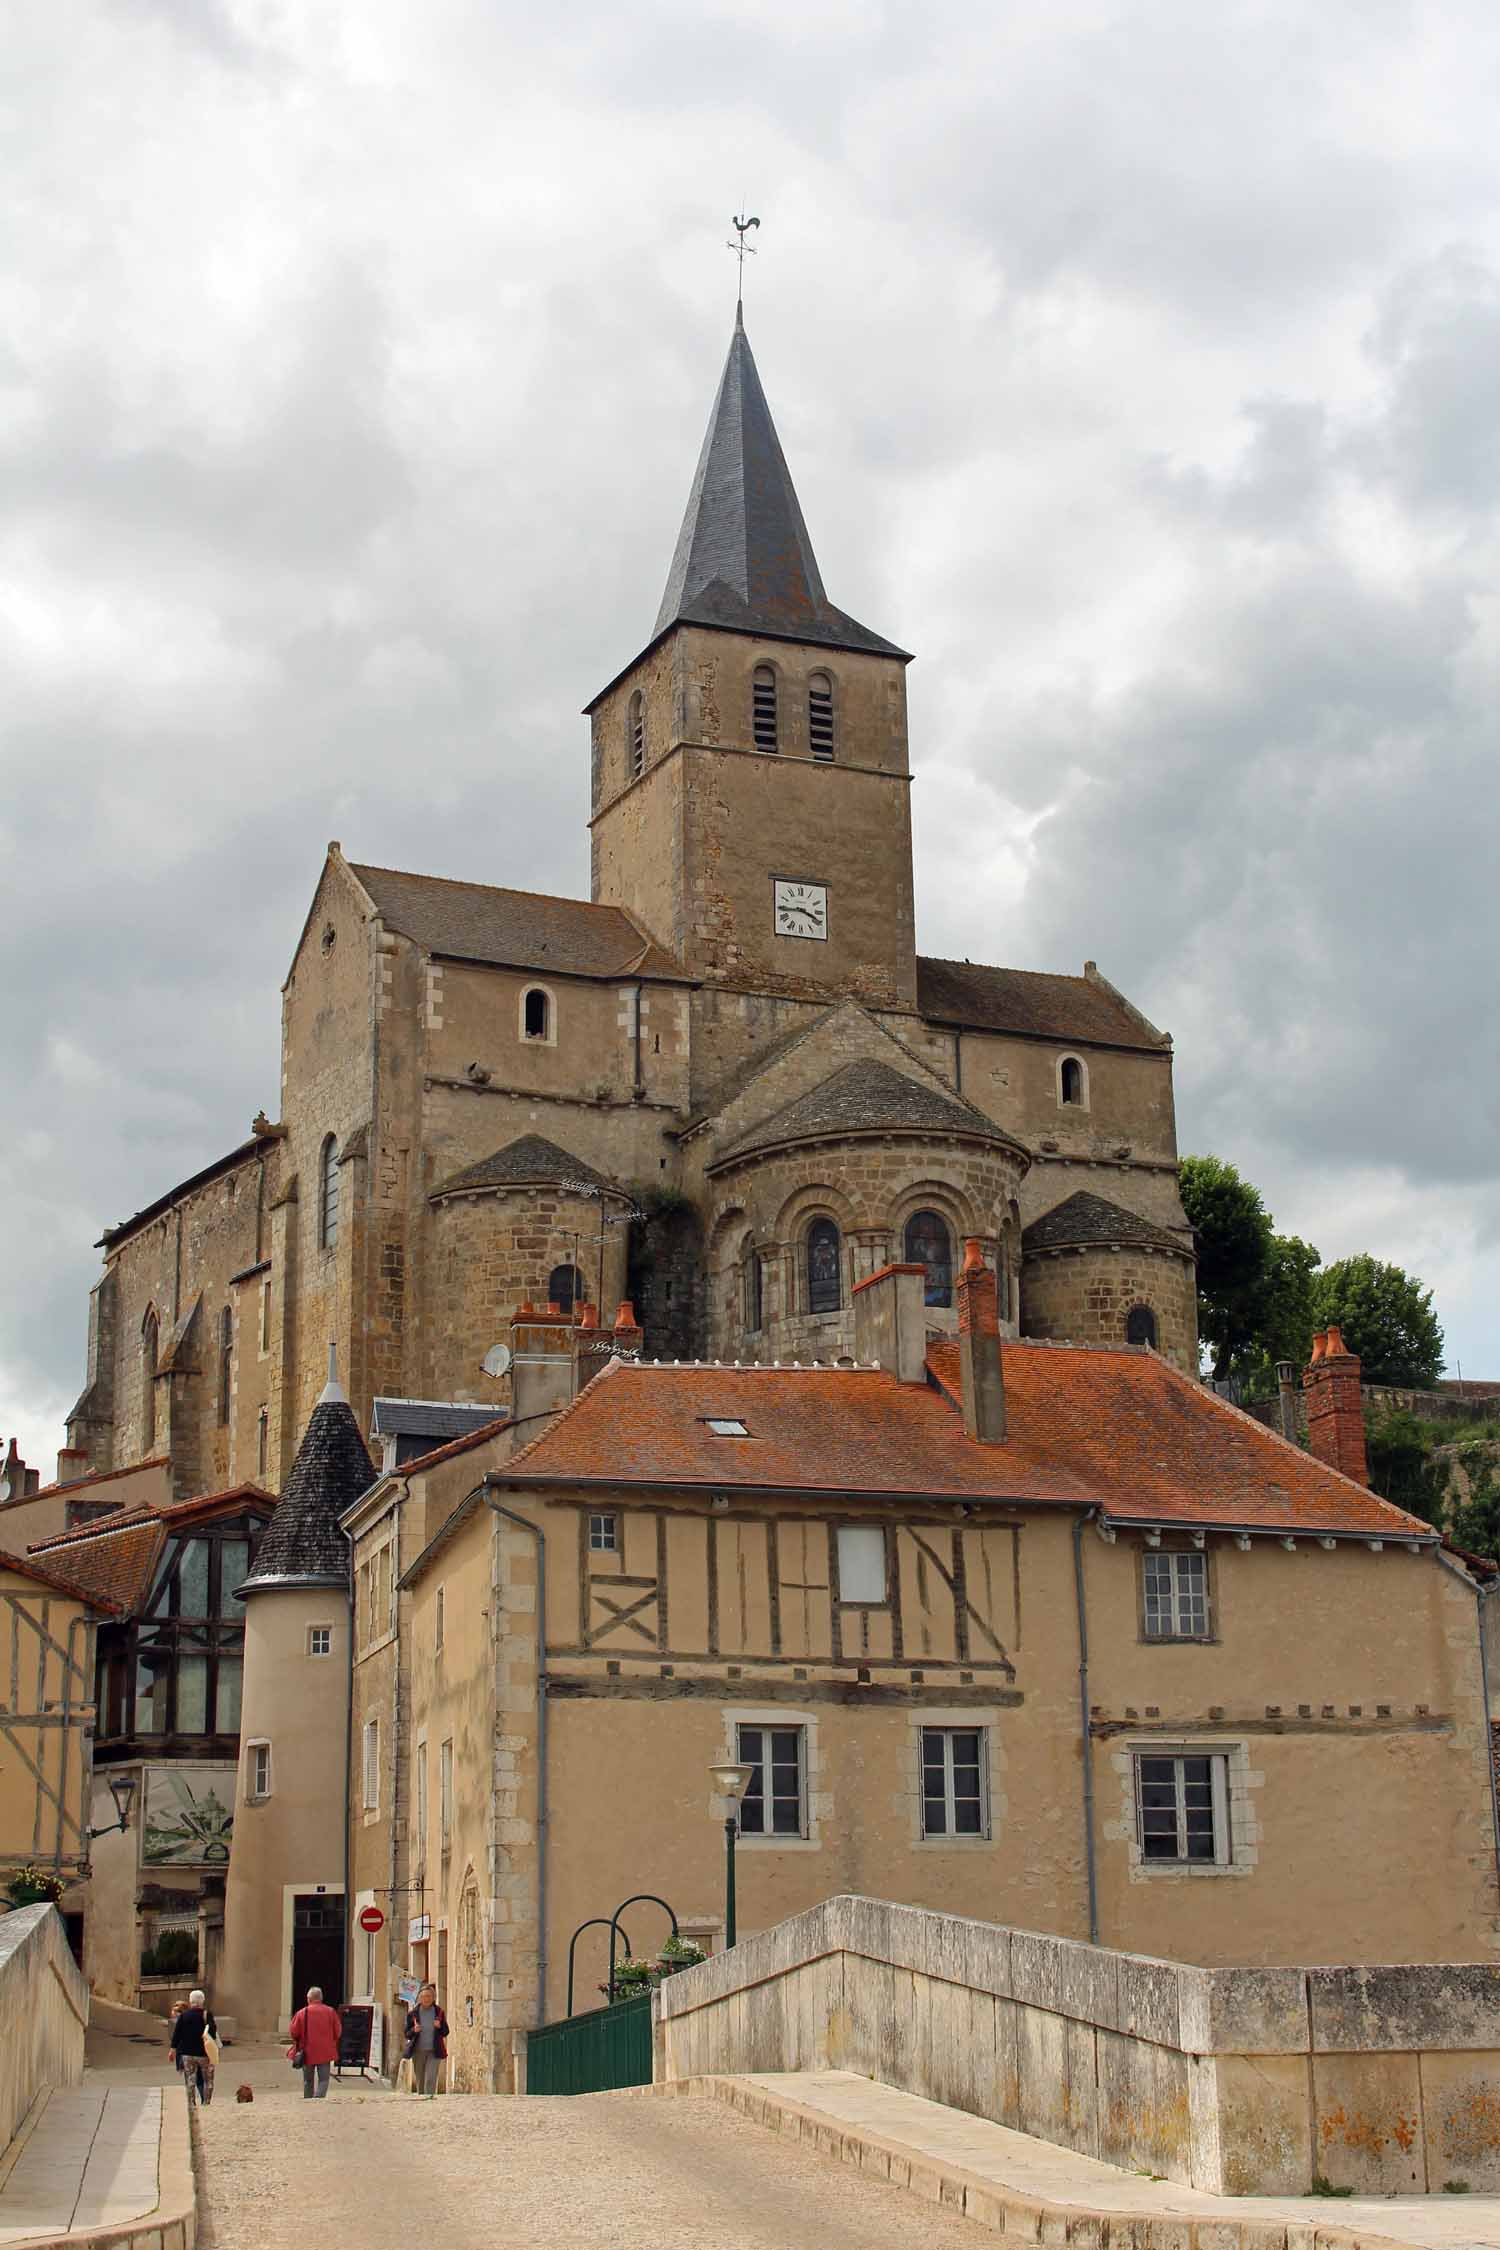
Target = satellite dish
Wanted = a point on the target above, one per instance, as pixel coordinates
(496, 1360)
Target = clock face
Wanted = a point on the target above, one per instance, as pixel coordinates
(801, 909)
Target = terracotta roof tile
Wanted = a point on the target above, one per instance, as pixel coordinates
(114, 1561)
(452, 1449)
(60, 1581)
(514, 929)
(87, 1484)
(1033, 1002)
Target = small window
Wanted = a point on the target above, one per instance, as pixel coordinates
(928, 1243)
(328, 1194)
(262, 1442)
(637, 732)
(226, 1363)
(775, 1803)
(1070, 1082)
(955, 1789)
(862, 1564)
(763, 708)
(150, 1337)
(320, 1640)
(371, 1791)
(1182, 1809)
(565, 1288)
(421, 1805)
(724, 1425)
(265, 1316)
(604, 1534)
(536, 1014)
(754, 1294)
(437, 1619)
(820, 716)
(258, 1778)
(1140, 1326)
(825, 1264)
(445, 1794)
(1175, 1595)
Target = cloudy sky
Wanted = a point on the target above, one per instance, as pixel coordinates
(1139, 367)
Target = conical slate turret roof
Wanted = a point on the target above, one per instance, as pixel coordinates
(303, 1545)
(743, 558)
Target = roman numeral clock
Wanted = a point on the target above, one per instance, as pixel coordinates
(801, 909)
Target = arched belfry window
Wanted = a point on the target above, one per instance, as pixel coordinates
(763, 708)
(820, 716)
(565, 1288)
(536, 1014)
(150, 1341)
(929, 1244)
(1071, 1084)
(637, 735)
(328, 1194)
(1140, 1326)
(825, 1267)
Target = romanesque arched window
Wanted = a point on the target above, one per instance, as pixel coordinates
(328, 1194)
(636, 732)
(820, 716)
(763, 729)
(1072, 1086)
(929, 1244)
(1140, 1326)
(536, 1015)
(150, 1341)
(825, 1267)
(226, 1361)
(754, 1293)
(565, 1287)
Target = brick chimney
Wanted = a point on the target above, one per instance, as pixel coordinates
(628, 1333)
(979, 1347)
(890, 1321)
(1335, 1415)
(72, 1463)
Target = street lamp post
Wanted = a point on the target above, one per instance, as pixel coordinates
(122, 1787)
(731, 1782)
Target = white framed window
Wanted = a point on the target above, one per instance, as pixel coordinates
(862, 1568)
(320, 1640)
(1174, 1595)
(445, 1793)
(371, 1766)
(725, 1425)
(1182, 1808)
(775, 1802)
(604, 1534)
(421, 1805)
(955, 1782)
(438, 1603)
(258, 1771)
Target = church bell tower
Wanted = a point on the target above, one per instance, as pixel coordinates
(751, 781)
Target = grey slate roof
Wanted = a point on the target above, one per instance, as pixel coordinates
(514, 929)
(744, 559)
(867, 1097)
(303, 1545)
(1085, 1219)
(521, 1162)
(1033, 1002)
(429, 1418)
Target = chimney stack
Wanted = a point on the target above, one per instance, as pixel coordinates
(890, 1321)
(979, 1347)
(1335, 1413)
(72, 1464)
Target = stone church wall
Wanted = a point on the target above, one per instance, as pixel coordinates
(1084, 1296)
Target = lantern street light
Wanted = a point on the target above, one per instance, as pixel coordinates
(122, 1787)
(731, 1782)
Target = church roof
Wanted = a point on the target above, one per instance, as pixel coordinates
(513, 929)
(523, 1161)
(744, 559)
(303, 1545)
(1034, 1003)
(1085, 1219)
(866, 1097)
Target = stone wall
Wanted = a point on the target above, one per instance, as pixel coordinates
(44, 2003)
(1085, 1296)
(1236, 2081)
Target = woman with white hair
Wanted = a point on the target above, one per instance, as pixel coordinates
(195, 2047)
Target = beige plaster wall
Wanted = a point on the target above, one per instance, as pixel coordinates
(47, 1711)
(44, 2004)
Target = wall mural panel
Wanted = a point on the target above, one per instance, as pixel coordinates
(188, 1816)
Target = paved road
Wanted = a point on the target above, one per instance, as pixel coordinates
(388, 2172)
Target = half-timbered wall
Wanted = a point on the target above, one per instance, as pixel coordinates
(46, 1721)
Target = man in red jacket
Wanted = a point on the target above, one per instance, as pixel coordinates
(315, 2032)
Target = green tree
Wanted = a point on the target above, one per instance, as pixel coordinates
(1283, 1315)
(1386, 1316)
(1398, 1448)
(1235, 1240)
(1474, 1524)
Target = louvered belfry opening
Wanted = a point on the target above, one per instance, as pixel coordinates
(637, 736)
(763, 708)
(820, 716)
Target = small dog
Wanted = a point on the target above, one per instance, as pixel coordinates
(244, 2093)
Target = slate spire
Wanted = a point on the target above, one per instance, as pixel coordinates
(303, 1545)
(744, 559)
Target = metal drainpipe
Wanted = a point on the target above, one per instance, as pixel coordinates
(348, 1784)
(1481, 1595)
(487, 1487)
(1079, 1523)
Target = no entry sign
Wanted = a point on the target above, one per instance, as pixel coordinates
(371, 1919)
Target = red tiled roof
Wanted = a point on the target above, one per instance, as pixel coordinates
(451, 1450)
(114, 1564)
(58, 1581)
(163, 1511)
(87, 1484)
(1115, 1428)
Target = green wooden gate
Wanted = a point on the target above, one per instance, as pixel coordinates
(588, 2054)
